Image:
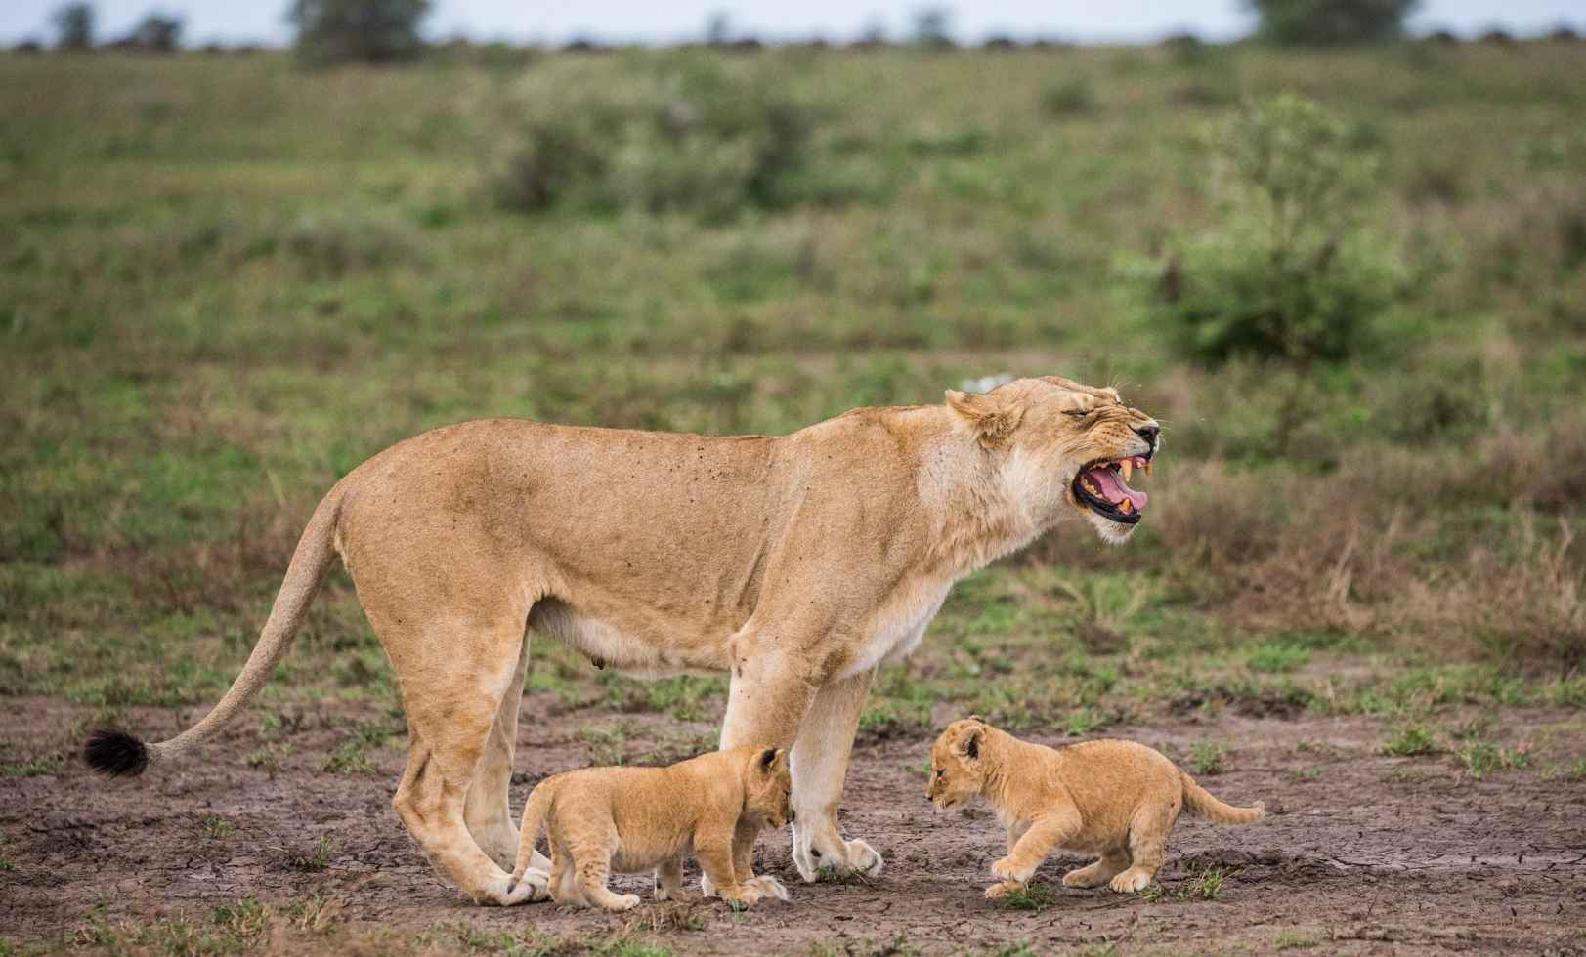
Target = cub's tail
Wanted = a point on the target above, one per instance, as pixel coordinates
(534, 814)
(1200, 800)
(118, 753)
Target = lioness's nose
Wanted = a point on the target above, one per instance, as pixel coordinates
(1148, 432)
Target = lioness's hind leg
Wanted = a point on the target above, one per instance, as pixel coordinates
(486, 810)
(1099, 871)
(454, 672)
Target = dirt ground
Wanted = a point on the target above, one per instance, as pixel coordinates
(1363, 854)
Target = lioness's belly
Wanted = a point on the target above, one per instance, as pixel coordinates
(610, 646)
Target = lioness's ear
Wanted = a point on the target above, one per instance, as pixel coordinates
(768, 758)
(992, 419)
(972, 745)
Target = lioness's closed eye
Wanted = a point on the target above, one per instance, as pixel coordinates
(715, 804)
(1116, 799)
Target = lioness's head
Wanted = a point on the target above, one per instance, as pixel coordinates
(957, 771)
(1064, 446)
(768, 787)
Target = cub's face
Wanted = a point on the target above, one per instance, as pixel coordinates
(768, 787)
(1067, 447)
(956, 770)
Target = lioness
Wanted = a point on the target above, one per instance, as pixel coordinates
(796, 563)
(1117, 799)
(639, 819)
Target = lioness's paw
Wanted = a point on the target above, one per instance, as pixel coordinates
(768, 886)
(1130, 881)
(1009, 871)
(534, 886)
(855, 857)
(1002, 890)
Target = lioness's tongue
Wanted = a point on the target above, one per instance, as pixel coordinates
(1114, 489)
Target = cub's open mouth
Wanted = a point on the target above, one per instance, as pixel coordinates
(1103, 487)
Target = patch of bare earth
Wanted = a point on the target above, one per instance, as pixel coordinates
(1363, 854)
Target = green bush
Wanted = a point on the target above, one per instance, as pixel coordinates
(370, 31)
(705, 140)
(1291, 273)
(1331, 22)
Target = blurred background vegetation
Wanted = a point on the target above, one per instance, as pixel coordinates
(1350, 280)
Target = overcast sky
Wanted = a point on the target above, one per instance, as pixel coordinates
(555, 21)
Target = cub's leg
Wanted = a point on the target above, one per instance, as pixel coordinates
(743, 839)
(669, 880)
(820, 762)
(713, 845)
(563, 879)
(590, 844)
(1045, 833)
(1148, 832)
(485, 811)
(593, 872)
(743, 863)
(454, 671)
(1099, 871)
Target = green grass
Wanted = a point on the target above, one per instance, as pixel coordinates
(1409, 741)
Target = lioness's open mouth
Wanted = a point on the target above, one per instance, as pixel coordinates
(1103, 487)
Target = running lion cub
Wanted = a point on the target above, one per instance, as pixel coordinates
(636, 819)
(1116, 799)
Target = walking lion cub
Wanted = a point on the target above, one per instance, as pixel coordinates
(1115, 799)
(628, 820)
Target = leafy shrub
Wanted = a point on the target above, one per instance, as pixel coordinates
(1331, 22)
(369, 31)
(1291, 274)
(1070, 97)
(705, 141)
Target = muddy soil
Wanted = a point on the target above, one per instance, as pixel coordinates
(1364, 853)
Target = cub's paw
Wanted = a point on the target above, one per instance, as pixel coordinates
(855, 858)
(1009, 871)
(1003, 889)
(1130, 881)
(620, 902)
(743, 898)
(768, 886)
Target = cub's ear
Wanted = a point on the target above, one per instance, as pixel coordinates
(769, 757)
(992, 419)
(976, 718)
(972, 745)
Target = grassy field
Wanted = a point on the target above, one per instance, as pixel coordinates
(224, 281)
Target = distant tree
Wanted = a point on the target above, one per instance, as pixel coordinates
(76, 23)
(157, 34)
(1331, 22)
(930, 27)
(718, 29)
(369, 31)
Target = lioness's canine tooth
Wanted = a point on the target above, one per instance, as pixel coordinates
(1127, 468)
(1127, 507)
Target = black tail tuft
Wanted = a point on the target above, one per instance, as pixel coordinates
(115, 753)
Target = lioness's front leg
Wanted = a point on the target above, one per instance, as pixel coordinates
(820, 762)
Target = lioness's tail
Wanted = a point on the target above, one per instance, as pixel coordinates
(534, 813)
(117, 752)
(1200, 800)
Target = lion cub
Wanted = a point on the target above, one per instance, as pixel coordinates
(1116, 799)
(637, 819)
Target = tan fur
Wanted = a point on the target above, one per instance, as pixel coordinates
(1116, 799)
(628, 820)
(798, 564)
